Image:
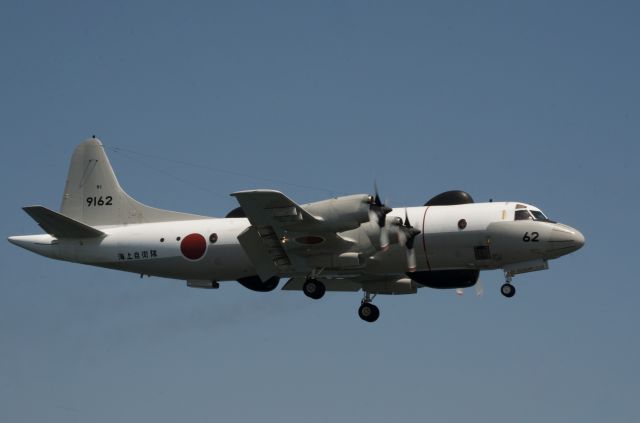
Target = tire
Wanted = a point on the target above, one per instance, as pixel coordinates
(313, 288)
(369, 312)
(508, 290)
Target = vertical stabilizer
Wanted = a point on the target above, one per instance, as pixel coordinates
(93, 195)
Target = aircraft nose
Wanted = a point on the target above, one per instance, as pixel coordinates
(578, 239)
(565, 239)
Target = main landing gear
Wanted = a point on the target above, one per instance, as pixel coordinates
(508, 290)
(367, 311)
(313, 288)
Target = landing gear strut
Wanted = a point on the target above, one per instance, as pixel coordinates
(313, 288)
(508, 290)
(367, 311)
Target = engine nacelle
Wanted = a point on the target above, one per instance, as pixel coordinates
(342, 213)
(236, 213)
(446, 279)
(254, 283)
(398, 287)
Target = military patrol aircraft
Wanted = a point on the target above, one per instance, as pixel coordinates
(348, 243)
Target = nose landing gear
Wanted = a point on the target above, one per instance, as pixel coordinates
(508, 290)
(368, 311)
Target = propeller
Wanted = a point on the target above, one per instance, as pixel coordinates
(378, 212)
(409, 233)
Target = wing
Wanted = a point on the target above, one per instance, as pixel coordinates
(286, 238)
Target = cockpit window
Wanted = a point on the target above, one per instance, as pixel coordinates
(523, 215)
(529, 214)
(538, 215)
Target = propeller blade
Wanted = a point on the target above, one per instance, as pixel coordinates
(373, 216)
(378, 212)
(401, 234)
(407, 235)
(384, 238)
(411, 259)
(410, 239)
(376, 199)
(384, 231)
(409, 231)
(479, 289)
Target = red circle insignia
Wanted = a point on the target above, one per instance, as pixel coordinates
(193, 246)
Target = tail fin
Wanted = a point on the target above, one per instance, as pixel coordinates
(93, 195)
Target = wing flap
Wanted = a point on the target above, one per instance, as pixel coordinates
(60, 225)
(265, 252)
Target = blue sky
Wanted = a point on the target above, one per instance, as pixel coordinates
(530, 101)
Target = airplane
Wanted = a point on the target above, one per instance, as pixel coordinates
(347, 244)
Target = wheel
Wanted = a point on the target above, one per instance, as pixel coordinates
(508, 290)
(313, 288)
(369, 312)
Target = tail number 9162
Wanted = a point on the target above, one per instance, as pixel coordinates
(99, 201)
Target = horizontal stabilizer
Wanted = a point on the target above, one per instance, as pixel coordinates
(59, 225)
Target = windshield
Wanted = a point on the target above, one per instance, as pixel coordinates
(528, 214)
(538, 215)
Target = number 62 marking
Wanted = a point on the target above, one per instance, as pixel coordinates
(533, 238)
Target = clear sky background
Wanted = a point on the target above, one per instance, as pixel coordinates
(532, 101)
